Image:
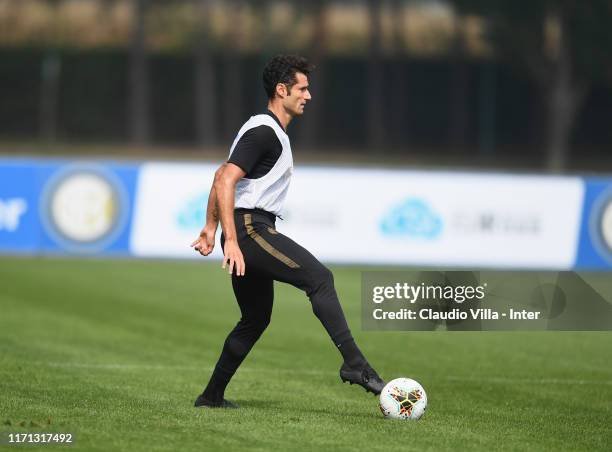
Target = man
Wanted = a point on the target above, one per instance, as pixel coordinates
(248, 193)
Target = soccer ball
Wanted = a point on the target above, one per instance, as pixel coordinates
(403, 398)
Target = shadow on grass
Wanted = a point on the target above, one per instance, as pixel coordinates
(330, 411)
(260, 404)
(344, 414)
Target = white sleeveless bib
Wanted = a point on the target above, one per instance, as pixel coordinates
(269, 191)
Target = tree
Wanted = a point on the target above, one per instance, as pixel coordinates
(374, 107)
(459, 86)
(563, 45)
(139, 77)
(399, 128)
(51, 68)
(205, 80)
(309, 128)
(232, 90)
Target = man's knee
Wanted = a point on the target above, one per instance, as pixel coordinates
(263, 322)
(322, 279)
(245, 334)
(237, 346)
(326, 276)
(256, 325)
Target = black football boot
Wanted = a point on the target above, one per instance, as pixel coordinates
(364, 376)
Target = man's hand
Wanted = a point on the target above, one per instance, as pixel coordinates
(233, 257)
(205, 243)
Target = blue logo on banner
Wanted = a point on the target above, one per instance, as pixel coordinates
(193, 214)
(413, 218)
(595, 246)
(18, 200)
(84, 208)
(11, 211)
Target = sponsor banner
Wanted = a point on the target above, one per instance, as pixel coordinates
(383, 216)
(595, 246)
(171, 209)
(435, 218)
(55, 206)
(340, 215)
(486, 300)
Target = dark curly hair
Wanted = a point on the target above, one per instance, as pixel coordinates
(282, 69)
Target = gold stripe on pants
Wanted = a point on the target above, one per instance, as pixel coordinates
(266, 245)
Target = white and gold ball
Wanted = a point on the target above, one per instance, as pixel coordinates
(403, 398)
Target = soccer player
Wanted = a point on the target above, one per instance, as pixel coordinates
(247, 195)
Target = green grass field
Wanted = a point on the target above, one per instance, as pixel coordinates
(117, 350)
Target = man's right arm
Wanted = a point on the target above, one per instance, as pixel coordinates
(212, 212)
(226, 178)
(253, 146)
(205, 243)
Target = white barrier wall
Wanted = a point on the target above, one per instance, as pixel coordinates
(436, 218)
(170, 208)
(383, 216)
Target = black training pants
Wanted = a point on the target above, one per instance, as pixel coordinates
(270, 256)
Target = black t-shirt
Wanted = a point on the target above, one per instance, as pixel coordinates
(258, 150)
